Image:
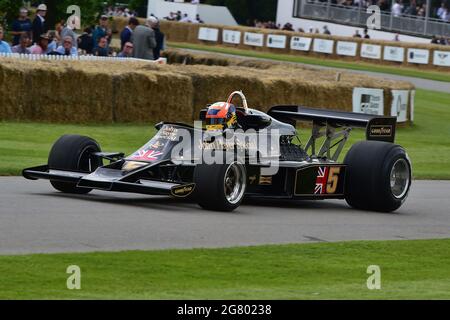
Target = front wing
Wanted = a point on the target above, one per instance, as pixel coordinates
(110, 180)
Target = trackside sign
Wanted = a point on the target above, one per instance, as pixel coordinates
(301, 43)
(399, 106)
(441, 58)
(394, 53)
(276, 41)
(254, 39)
(231, 36)
(369, 101)
(419, 56)
(370, 51)
(323, 46)
(208, 34)
(346, 48)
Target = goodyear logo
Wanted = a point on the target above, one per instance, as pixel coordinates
(381, 131)
(183, 191)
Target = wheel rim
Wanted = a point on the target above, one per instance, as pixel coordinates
(234, 183)
(400, 175)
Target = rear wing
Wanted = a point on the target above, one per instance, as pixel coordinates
(378, 128)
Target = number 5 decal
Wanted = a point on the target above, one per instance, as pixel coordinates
(333, 179)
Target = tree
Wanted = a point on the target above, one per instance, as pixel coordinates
(57, 10)
(245, 11)
(9, 10)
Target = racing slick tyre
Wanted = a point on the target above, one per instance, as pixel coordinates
(378, 176)
(220, 187)
(73, 153)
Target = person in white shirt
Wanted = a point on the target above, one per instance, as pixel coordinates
(397, 8)
(185, 18)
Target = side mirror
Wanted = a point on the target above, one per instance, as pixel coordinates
(256, 121)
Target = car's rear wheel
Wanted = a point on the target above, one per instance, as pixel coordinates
(73, 153)
(220, 187)
(378, 176)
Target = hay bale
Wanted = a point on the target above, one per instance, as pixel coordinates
(106, 91)
(59, 94)
(145, 96)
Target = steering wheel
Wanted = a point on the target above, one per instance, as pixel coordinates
(244, 100)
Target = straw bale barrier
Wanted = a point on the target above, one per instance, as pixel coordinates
(105, 91)
(188, 33)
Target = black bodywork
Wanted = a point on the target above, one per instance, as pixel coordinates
(306, 171)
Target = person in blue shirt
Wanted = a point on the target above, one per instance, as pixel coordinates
(102, 49)
(20, 26)
(4, 46)
(125, 35)
(67, 49)
(101, 31)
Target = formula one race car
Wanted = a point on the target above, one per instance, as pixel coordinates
(237, 153)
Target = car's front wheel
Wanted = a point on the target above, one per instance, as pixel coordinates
(73, 153)
(220, 187)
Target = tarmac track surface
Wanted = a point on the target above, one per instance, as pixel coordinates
(36, 219)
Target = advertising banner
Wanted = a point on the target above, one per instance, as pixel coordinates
(231, 36)
(441, 58)
(254, 39)
(301, 43)
(399, 106)
(323, 46)
(369, 101)
(276, 41)
(370, 51)
(419, 56)
(208, 34)
(394, 53)
(346, 48)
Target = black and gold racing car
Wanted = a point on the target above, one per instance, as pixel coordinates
(374, 175)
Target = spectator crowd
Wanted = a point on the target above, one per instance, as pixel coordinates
(142, 41)
(397, 8)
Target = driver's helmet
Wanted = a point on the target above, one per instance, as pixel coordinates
(221, 116)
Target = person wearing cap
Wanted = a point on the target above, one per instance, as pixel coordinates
(41, 46)
(144, 40)
(4, 46)
(67, 48)
(39, 24)
(101, 31)
(21, 25)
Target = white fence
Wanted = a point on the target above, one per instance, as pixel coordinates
(23, 56)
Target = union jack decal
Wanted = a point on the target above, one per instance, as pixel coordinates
(147, 155)
(321, 181)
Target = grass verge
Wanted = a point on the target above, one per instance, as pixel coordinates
(353, 65)
(409, 270)
(427, 141)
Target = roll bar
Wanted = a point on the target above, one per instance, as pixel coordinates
(244, 100)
